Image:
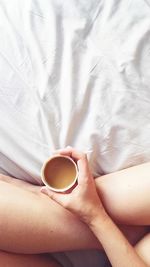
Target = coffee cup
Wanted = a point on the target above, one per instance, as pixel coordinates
(59, 173)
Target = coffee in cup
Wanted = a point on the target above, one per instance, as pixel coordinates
(59, 173)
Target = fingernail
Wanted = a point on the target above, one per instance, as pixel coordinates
(44, 190)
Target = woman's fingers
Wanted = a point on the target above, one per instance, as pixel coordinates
(70, 152)
(82, 162)
(84, 173)
(58, 197)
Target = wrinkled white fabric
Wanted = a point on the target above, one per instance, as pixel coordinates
(77, 73)
(74, 73)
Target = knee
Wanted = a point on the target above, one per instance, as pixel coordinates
(122, 201)
(113, 199)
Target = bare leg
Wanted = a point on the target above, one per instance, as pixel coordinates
(30, 223)
(126, 195)
(133, 233)
(15, 260)
(35, 224)
(143, 249)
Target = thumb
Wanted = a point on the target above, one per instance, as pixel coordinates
(58, 197)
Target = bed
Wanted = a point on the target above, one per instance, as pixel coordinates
(76, 73)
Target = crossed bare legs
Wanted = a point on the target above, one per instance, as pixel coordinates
(31, 224)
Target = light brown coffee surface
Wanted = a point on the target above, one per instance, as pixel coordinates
(60, 172)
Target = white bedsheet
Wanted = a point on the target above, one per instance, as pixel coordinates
(77, 73)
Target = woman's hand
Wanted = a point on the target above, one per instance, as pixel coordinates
(83, 200)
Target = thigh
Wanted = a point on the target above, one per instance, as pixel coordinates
(36, 224)
(20, 260)
(143, 249)
(20, 183)
(126, 195)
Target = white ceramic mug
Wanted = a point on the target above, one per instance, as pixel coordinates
(59, 173)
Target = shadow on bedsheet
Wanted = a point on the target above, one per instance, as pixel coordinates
(88, 258)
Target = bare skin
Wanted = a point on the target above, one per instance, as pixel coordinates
(15, 260)
(18, 211)
(22, 205)
(85, 202)
(34, 224)
(129, 201)
(143, 248)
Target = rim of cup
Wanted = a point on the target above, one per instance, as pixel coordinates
(53, 188)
